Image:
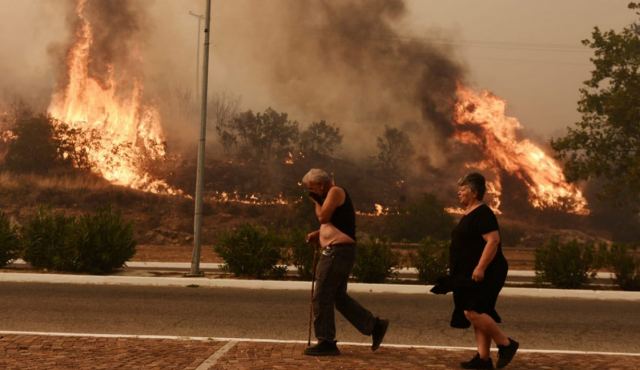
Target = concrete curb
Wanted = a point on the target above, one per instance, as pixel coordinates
(295, 285)
(403, 271)
(186, 266)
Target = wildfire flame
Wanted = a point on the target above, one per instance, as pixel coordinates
(252, 199)
(121, 130)
(481, 121)
(289, 160)
(379, 210)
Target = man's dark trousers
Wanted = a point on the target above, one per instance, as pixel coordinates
(332, 274)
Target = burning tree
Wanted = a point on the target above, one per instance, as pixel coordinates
(605, 144)
(481, 122)
(102, 96)
(60, 148)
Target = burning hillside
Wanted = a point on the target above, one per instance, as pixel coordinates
(371, 77)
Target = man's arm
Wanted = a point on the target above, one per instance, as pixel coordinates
(335, 198)
(312, 236)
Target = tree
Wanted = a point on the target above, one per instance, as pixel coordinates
(262, 136)
(394, 150)
(34, 148)
(41, 145)
(320, 139)
(225, 109)
(605, 144)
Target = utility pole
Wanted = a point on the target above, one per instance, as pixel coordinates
(200, 19)
(197, 219)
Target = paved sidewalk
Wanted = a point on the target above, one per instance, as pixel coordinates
(96, 352)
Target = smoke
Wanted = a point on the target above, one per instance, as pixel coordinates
(346, 62)
(116, 27)
(30, 33)
(342, 61)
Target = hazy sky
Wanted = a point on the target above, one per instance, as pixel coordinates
(527, 52)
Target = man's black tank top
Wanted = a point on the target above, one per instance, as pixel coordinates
(344, 217)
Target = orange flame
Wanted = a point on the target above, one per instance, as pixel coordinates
(379, 210)
(252, 199)
(122, 131)
(481, 121)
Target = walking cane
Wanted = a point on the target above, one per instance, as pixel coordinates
(313, 283)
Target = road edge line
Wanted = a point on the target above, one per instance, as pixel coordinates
(259, 340)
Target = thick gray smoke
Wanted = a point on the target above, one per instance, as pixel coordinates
(116, 27)
(341, 61)
(344, 61)
(380, 76)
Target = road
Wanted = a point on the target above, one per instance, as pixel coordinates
(538, 323)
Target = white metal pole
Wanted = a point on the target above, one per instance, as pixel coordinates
(200, 19)
(197, 224)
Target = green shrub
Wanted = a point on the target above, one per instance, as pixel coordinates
(374, 261)
(104, 241)
(625, 264)
(431, 259)
(301, 253)
(10, 247)
(249, 250)
(47, 240)
(565, 265)
(95, 243)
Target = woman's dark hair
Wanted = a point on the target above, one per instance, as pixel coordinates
(476, 182)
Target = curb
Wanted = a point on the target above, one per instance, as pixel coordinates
(209, 266)
(402, 271)
(296, 285)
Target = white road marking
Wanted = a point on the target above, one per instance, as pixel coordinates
(213, 359)
(258, 340)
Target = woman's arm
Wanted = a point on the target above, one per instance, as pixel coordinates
(493, 239)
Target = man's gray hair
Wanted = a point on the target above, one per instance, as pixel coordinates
(316, 176)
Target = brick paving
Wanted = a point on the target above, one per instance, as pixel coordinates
(62, 352)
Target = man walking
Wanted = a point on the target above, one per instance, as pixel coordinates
(337, 238)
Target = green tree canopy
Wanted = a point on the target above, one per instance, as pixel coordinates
(320, 139)
(605, 144)
(261, 136)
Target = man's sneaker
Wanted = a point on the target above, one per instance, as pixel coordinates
(506, 353)
(477, 363)
(323, 348)
(379, 330)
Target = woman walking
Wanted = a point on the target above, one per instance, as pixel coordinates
(478, 271)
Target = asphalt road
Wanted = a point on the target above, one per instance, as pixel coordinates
(538, 323)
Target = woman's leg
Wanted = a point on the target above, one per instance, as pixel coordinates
(486, 324)
(483, 342)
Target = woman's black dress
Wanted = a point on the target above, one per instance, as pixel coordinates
(466, 249)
